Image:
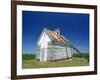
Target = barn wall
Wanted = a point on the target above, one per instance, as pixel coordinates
(41, 54)
(69, 52)
(57, 52)
(43, 42)
(42, 49)
(38, 54)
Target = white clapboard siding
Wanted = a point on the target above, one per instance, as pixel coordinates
(44, 39)
(57, 53)
(43, 42)
(69, 52)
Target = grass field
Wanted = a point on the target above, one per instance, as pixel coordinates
(29, 61)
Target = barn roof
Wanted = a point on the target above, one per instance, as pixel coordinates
(56, 37)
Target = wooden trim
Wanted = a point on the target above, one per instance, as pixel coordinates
(13, 41)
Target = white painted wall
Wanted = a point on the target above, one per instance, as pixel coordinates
(59, 53)
(44, 39)
(44, 55)
(69, 52)
(43, 42)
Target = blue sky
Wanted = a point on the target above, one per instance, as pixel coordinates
(73, 26)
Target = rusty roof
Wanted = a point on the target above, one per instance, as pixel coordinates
(57, 37)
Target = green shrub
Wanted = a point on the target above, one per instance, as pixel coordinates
(76, 55)
(83, 55)
(28, 56)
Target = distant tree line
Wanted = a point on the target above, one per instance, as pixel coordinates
(28, 56)
(83, 55)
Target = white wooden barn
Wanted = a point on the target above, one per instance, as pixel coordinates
(51, 46)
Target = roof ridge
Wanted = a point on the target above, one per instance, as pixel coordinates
(48, 29)
(65, 38)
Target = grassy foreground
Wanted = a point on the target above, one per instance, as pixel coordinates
(32, 63)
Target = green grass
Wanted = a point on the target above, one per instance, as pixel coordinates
(29, 61)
